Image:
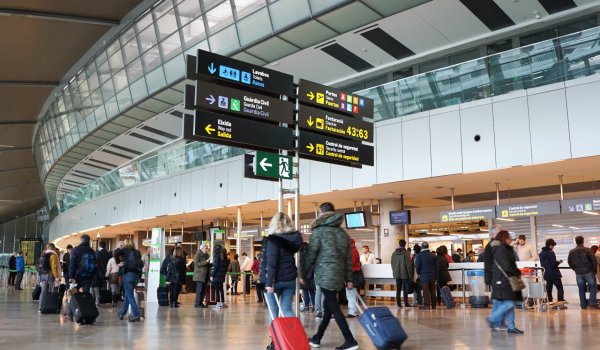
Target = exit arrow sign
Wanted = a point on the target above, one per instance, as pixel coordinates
(273, 165)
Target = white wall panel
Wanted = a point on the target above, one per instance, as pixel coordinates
(320, 177)
(266, 190)
(196, 199)
(416, 149)
(446, 157)
(208, 188)
(549, 126)
(249, 190)
(235, 174)
(341, 177)
(221, 184)
(366, 176)
(511, 126)
(305, 176)
(584, 119)
(175, 186)
(388, 151)
(477, 156)
(185, 191)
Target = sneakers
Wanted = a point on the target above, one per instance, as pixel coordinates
(134, 319)
(348, 346)
(515, 331)
(315, 343)
(319, 315)
(350, 316)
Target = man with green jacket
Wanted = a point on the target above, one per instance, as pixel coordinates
(329, 253)
(402, 269)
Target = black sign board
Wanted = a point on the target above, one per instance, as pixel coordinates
(328, 147)
(319, 120)
(468, 214)
(400, 217)
(235, 101)
(239, 132)
(334, 99)
(527, 209)
(249, 172)
(243, 74)
(580, 205)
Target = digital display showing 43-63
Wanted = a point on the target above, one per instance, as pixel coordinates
(357, 132)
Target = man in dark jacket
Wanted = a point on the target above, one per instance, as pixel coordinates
(82, 266)
(102, 257)
(583, 262)
(552, 274)
(66, 259)
(12, 269)
(329, 252)
(426, 267)
(402, 269)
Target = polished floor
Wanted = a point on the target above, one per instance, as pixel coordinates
(243, 326)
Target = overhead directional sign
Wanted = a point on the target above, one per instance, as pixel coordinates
(328, 147)
(319, 120)
(228, 100)
(243, 74)
(580, 205)
(239, 132)
(527, 209)
(468, 214)
(334, 99)
(273, 165)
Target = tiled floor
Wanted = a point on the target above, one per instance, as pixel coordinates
(243, 326)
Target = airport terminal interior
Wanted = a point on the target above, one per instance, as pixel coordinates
(182, 125)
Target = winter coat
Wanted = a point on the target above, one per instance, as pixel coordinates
(76, 261)
(442, 267)
(582, 260)
(550, 265)
(98, 281)
(19, 264)
(426, 266)
(402, 266)
(174, 269)
(102, 258)
(277, 258)
(329, 252)
(503, 254)
(220, 263)
(66, 259)
(234, 270)
(356, 265)
(200, 267)
(12, 262)
(54, 264)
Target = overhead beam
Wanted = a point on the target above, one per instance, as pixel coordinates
(48, 84)
(59, 17)
(16, 122)
(16, 169)
(10, 149)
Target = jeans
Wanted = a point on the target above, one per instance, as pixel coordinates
(19, 279)
(503, 309)
(220, 294)
(47, 283)
(590, 279)
(96, 293)
(285, 290)
(331, 307)
(439, 291)
(402, 287)
(429, 293)
(352, 301)
(308, 298)
(418, 295)
(318, 300)
(130, 280)
(175, 291)
(559, 288)
(200, 290)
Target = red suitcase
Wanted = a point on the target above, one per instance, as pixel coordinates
(287, 332)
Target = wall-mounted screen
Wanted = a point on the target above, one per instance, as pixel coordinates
(356, 220)
(400, 217)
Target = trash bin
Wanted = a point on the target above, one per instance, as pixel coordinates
(477, 297)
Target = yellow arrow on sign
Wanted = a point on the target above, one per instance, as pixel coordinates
(310, 121)
(209, 129)
(310, 147)
(310, 95)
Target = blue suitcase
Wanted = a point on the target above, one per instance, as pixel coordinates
(447, 297)
(383, 327)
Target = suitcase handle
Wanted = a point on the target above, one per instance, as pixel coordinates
(361, 303)
(269, 305)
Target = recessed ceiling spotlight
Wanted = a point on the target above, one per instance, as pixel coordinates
(537, 15)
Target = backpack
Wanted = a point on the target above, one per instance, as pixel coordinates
(133, 261)
(43, 265)
(87, 265)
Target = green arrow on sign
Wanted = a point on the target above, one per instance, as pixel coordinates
(273, 165)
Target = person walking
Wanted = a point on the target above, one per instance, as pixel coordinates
(256, 277)
(443, 274)
(82, 264)
(50, 273)
(217, 277)
(525, 251)
(278, 271)
(174, 269)
(12, 269)
(200, 273)
(132, 265)
(552, 274)
(426, 266)
(234, 273)
(308, 287)
(329, 253)
(504, 266)
(358, 281)
(583, 262)
(112, 275)
(19, 270)
(402, 269)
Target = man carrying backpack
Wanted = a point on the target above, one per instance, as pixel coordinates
(82, 266)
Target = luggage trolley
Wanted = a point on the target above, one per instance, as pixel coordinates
(535, 288)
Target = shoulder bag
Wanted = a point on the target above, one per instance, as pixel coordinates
(516, 283)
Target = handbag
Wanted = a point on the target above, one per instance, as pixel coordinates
(113, 278)
(516, 283)
(411, 287)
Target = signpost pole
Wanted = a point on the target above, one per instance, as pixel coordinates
(238, 249)
(280, 197)
(297, 209)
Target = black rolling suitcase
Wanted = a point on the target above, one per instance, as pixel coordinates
(52, 303)
(85, 310)
(36, 293)
(162, 296)
(105, 296)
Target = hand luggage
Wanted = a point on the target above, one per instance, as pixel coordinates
(52, 303)
(210, 295)
(61, 291)
(36, 293)
(162, 296)
(105, 296)
(287, 332)
(447, 297)
(383, 328)
(85, 308)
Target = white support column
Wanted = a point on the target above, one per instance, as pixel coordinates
(395, 232)
(533, 230)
